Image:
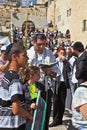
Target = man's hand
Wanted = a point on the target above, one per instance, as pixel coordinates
(62, 58)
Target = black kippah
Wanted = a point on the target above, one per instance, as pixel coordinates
(8, 49)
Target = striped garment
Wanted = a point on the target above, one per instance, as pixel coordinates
(2, 62)
(10, 90)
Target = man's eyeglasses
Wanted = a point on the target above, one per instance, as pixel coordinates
(40, 44)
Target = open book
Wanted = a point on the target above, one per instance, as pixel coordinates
(44, 65)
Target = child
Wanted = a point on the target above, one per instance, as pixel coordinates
(31, 77)
(31, 86)
(13, 116)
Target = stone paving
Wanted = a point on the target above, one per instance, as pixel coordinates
(67, 124)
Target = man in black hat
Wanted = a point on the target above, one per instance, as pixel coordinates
(81, 64)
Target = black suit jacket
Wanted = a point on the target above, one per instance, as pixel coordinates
(81, 68)
(66, 71)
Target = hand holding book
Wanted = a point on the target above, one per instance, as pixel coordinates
(47, 65)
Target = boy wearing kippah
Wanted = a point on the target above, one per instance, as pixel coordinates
(13, 116)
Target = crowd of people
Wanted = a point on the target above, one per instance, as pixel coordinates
(21, 77)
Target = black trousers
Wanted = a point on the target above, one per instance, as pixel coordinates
(59, 103)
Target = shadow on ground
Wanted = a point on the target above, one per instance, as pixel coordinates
(67, 121)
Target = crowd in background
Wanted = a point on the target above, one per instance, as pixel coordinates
(53, 81)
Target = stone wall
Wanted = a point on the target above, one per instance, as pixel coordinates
(38, 17)
(37, 14)
(70, 14)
